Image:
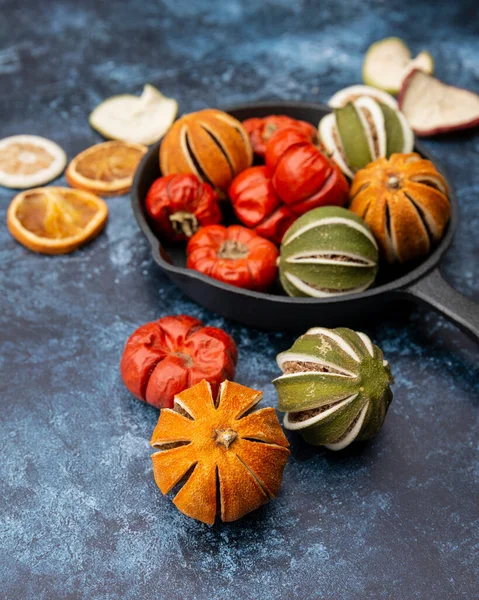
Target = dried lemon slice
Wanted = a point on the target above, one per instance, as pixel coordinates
(143, 120)
(55, 220)
(106, 168)
(29, 160)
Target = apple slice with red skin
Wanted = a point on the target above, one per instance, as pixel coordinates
(433, 107)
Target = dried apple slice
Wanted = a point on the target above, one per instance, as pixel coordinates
(433, 107)
(141, 120)
(29, 160)
(388, 62)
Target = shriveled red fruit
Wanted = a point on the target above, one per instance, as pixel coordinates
(234, 255)
(304, 179)
(253, 196)
(261, 129)
(167, 356)
(178, 205)
(433, 107)
(278, 143)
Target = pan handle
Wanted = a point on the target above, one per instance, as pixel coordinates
(434, 290)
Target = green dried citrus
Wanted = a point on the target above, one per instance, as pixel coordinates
(335, 387)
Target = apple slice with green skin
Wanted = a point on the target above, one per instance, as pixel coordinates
(432, 107)
(389, 61)
(142, 120)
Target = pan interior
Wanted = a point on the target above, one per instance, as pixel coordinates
(172, 257)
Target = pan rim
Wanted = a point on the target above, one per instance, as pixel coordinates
(398, 284)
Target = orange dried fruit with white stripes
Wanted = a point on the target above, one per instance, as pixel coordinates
(56, 220)
(230, 460)
(404, 200)
(209, 143)
(107, 169)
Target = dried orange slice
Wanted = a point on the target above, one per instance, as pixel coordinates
(29, 160)
(55, 220)
(106, 168)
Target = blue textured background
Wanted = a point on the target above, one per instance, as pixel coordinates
(81, 516)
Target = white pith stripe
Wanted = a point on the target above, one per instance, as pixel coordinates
(287, 376)
(302, 257)
(332, 221)
(408, 135)
(329, 261)
(342, 97)
(435, 181)
(367, 130)
(377, 115)
(425, 215)
(336, 338)
(183, 406)
(326, 127)
(186, 152)
(315, 293)
(319, 417)
(353, 434)
(292, 356)
(367, 342)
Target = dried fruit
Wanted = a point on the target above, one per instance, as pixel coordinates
(29, 160)
(142, 120)
(335, 387)
(353, 92)
(209, 143)
(304, 179)
(388, 61)
(362, 131)
(404, 200)
(279, 142)
(106, 168)
(328, 252)
(229, 459)
(178, 205)
(257, 204)
(56, 220)
(164, 357)
(234, 255)
(433, 107)
(260, 130)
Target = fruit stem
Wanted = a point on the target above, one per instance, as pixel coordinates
(393, 182)
(225, 437)
(232, 249)
(184, 222)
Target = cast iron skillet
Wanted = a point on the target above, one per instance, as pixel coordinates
(422, 282)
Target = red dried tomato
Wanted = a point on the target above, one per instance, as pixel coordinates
(304, 179)
(235, 255)
(257, 205)
(179, 204)
(260, 130)
(165, 357)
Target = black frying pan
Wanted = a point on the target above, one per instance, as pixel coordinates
(275, 310)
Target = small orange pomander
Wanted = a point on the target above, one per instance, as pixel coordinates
(404, 200)
(209, 143)
(230, 459)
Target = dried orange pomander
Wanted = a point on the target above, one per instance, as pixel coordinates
(230, 462)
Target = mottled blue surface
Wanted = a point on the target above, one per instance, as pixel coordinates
(81, 516)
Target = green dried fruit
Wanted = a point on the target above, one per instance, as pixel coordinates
(335, 387)
(363, 130)
(328, 251)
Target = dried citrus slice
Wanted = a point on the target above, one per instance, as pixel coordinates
(29, 160)
(144, 119)
(106, 168)
(55, 220)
